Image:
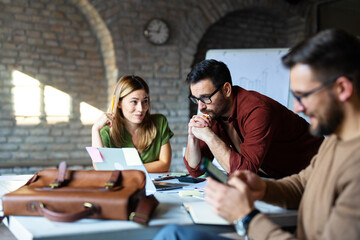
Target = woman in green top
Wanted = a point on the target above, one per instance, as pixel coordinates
(130, 124)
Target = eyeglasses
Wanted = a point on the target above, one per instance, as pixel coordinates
(205, 100)
(306, 94)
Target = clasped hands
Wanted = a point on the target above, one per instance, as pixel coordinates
(200, 126)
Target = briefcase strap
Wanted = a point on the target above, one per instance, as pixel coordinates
(144, 210)
(114, 181)
(61, 176)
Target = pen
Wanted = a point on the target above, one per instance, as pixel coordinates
(112, 106)
(115, 99)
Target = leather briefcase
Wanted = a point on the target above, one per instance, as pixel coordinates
(68, 195)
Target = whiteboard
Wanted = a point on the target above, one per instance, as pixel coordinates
(260, 70)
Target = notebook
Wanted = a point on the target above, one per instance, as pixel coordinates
(201, 213)
(126, 159)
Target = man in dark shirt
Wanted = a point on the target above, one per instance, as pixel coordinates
(243, 129)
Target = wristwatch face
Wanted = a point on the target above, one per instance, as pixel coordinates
(240, 228)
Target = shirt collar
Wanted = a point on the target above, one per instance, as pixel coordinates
(233, 114)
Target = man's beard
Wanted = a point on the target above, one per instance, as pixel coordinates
(331, 120)
(217, 113)
(211, 113)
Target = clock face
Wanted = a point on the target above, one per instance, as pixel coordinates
(157, 31)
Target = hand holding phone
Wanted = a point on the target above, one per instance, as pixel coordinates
(207, 166)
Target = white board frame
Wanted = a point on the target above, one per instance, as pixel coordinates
(259, 69)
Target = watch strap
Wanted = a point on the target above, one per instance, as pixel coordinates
(247, 219)
(242, 225)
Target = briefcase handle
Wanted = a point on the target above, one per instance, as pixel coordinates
(114, 180)
(89, 209)
(141, 215)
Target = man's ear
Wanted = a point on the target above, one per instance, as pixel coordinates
(344, 88)
(227, 89)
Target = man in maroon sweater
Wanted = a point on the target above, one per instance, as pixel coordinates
(243, 129)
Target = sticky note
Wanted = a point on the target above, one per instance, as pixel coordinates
(189, 193)
(132, 157)
(95, 154)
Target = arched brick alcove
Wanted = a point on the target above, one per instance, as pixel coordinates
(105, 41)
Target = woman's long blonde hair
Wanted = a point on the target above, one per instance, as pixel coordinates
(126, 85)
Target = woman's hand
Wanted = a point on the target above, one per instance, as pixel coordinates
(164, 161)
(104, 119)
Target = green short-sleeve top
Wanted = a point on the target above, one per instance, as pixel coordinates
(152, 153)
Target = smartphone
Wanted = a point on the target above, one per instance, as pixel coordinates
(190, 179)
(207, 166)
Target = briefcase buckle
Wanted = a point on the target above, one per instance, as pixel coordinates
(33, 206)
(138, 215)
(54, 185)
(109, 185)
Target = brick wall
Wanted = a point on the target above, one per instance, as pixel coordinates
(80, 47)
(50, 42)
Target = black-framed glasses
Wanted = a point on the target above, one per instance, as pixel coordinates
(306, 94)
(205, 100)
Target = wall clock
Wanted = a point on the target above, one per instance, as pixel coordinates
(157, 31)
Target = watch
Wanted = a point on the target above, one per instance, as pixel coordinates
(157, 31)
(242, 224)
